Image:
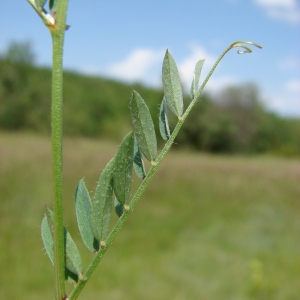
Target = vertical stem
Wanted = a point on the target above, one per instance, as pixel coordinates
(56, 119)
(58, 33)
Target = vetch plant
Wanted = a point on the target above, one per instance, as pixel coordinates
(113, 189)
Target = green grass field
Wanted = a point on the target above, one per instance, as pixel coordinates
(208, 227)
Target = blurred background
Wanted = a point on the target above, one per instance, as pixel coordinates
(221, 217)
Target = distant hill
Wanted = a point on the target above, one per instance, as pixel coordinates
(96, 107)
(93, 106)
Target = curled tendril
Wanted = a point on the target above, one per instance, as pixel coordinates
(241, 44)
(242, 49)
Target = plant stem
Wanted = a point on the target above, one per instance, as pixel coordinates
(57, 34)
(56, 119)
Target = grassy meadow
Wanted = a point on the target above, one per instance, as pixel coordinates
(208, 227)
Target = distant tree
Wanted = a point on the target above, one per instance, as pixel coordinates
(208, 128)
(19, 94)
(20, 53)
(244, 107)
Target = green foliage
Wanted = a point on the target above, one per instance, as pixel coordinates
(207, 129)
(236, 122)
(24, 97)
(20, 53)
(93, 107)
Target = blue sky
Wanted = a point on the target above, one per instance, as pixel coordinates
(127, 40)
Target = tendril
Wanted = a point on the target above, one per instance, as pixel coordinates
(241, 45)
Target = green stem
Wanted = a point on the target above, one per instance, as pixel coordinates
(56, 118)
(57, 34)
(77, 290)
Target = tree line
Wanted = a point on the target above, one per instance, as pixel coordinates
(235, 121)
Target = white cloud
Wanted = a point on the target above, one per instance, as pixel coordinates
(277, 3)
(144, 65)
(286, 10)
(89, 70)
(290, 63)
(284, 106)
(215, 85)
(137, 66)
(187, 65)
(293, 86)
(285, 99)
